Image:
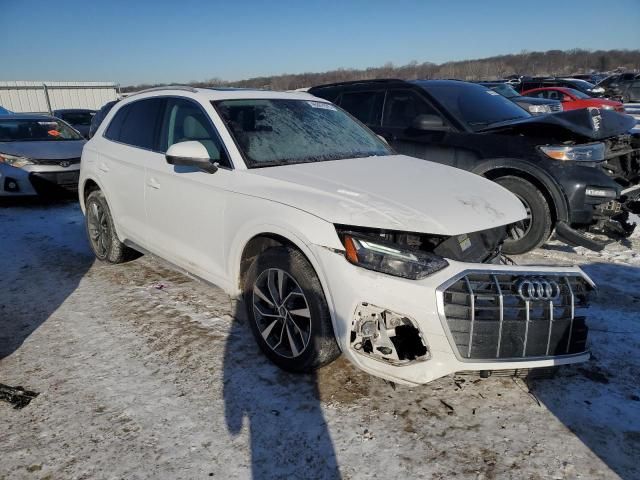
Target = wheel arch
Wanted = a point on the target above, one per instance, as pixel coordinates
(259, 238)
(551, 190)
(88, 185)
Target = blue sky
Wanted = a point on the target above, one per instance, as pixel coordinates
(158, 41)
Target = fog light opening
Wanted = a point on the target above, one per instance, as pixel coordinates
(387, 336)
(11, 185)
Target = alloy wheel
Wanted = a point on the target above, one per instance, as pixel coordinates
(281, 313)
(98, 226)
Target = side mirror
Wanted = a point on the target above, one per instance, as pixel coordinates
(429, 122)
(190, 154)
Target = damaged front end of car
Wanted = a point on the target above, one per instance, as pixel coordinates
(414, 307)
(597, 162)
(622, 164)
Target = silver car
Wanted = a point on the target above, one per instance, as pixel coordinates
(39, 154)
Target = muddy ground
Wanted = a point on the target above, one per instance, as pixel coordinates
(145, 373)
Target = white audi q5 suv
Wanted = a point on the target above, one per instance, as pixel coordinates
(335, 243)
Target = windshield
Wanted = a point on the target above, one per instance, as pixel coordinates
(77, 118)
(505, 90)
(280, 132)
(475, 105)
(33, 130)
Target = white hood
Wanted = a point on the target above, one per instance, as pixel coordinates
(393, 192)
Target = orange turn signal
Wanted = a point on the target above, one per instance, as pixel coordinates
(350, 250)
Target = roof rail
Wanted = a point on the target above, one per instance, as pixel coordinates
(353, 82)
(186, 88)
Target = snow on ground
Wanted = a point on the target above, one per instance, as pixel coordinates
(144, 373)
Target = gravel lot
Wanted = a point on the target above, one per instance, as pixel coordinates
(144, 373)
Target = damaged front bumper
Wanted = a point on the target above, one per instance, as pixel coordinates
(465, 317)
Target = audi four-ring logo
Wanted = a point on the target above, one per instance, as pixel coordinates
(538, 289)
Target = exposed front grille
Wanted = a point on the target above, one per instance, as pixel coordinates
(491, 316)
(555, 107)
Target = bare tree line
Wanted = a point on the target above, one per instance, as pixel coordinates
(549, 63)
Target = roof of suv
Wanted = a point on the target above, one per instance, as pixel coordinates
(392, 81)
(209, 94)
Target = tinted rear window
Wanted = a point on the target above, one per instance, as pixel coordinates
(136, 123)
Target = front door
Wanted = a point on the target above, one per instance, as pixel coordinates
(186, 206)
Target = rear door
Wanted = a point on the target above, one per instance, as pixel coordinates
(186, 206)
(121, 167)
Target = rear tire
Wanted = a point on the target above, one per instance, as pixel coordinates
(288, 312)
(525, 236)
(101, 232)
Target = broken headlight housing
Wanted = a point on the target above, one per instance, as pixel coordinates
(15, 161)
(390, 258)
(589, 152)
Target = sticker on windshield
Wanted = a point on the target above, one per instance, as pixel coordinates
(491, 92)
(324, 105)
(54, 133)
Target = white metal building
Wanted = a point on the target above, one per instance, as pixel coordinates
(43, 97)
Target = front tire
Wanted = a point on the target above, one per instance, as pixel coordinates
(101, 232)
(288, 312)
(532, 232)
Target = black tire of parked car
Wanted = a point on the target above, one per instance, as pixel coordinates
(322, 347)
(109, 248)
(541, 221)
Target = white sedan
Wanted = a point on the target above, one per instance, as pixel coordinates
(335, 243)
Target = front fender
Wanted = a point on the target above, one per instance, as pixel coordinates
(307, 232)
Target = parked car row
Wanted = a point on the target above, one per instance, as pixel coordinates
(370, 218)
(338, 242)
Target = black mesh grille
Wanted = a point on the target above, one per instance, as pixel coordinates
(489, 319)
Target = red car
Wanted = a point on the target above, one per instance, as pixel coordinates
(573, 99)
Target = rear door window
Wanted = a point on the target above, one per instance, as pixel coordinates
(136, 124)
(365, 106)
(554, 95)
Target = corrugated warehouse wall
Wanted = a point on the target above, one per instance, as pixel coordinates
(32, 97)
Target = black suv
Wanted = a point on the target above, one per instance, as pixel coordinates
(569, 169)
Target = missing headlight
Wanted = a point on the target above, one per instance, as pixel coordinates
(387, 336)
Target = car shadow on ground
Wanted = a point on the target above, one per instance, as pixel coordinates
(34, 255)
(288, 433)
(599, 401)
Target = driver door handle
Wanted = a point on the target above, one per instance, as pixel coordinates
(153, 183)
